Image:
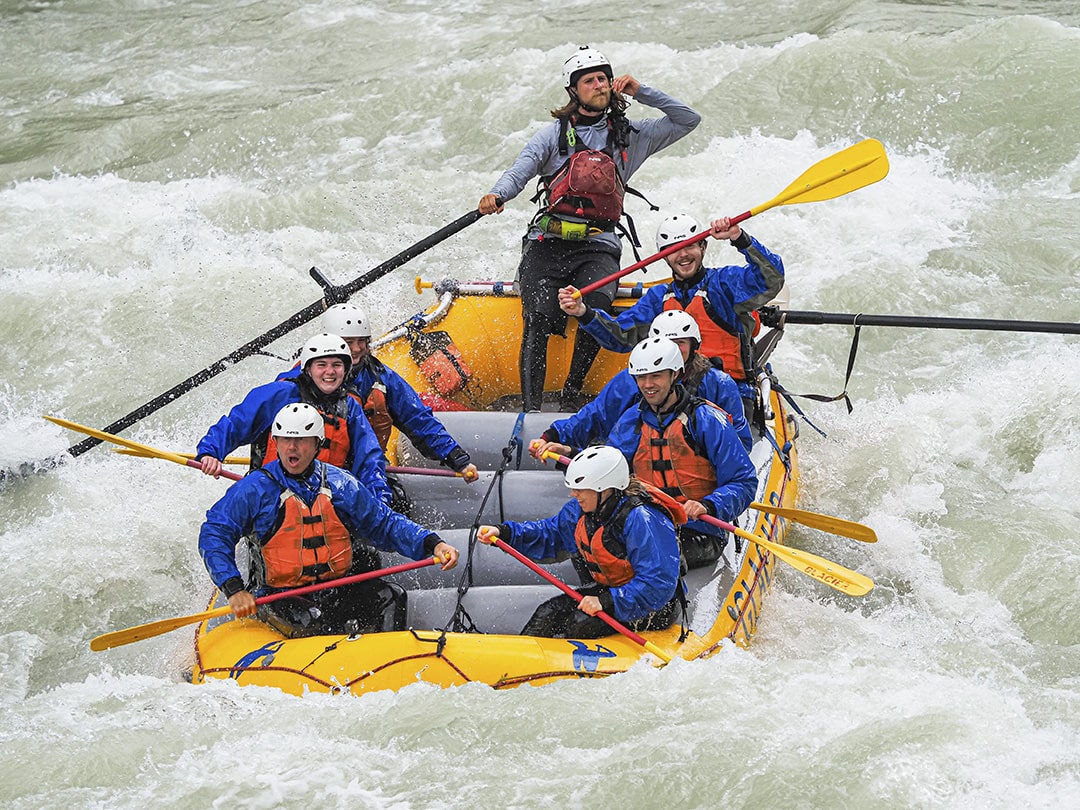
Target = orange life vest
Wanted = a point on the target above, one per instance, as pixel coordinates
(670, 462)
(716, 339)
(606, 558)
(335, 448)
(378, 415)
(307, 544)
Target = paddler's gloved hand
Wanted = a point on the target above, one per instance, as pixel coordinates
(770, 316)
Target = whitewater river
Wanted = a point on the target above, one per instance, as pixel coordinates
(168, 173)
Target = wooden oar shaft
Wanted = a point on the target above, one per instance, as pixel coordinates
(925, 322)
(610, 620)
(119, 638)
(333, 295)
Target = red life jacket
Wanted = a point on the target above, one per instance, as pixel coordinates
(717, 340)
(307, 544)
(605, 558)
(671, 462)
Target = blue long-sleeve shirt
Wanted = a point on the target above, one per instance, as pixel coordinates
(252, 505)
(540, 157)
(250, 420)
(595, 420)
(736, 479)
(651, 548)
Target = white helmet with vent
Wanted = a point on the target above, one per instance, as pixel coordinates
(298, 420)
(326, 345)
(584, 60)
(655, 354)
(676, 228)
(674, 324)
(598, 468)
(347, 320)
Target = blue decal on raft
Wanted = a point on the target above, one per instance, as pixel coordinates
(586, 660)
(265, 652)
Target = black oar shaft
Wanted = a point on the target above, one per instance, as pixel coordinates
(916, 322)
(334, 295)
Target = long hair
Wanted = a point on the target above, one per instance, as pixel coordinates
(634, 487)
(616, 106)
(694, 372)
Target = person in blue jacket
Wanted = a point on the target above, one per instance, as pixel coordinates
(562, 248)
(302, 517)
(722, 300)
(628, 543)
(350, 442)
(684, 446)
(388, 400)
(596, 419)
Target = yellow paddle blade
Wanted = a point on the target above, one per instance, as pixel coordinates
(832, 574)
(133, 634)
(826, 523)
(127, 451)
(847, 170)
(108, 437)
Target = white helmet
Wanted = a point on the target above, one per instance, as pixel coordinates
(655, 354)
(598, 468)
(584, 60)
(347, 320)
(298, 420)
(676, 228)
(674, 324)
(326, 345)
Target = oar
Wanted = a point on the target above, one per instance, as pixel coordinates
(239, 461)
(119, 638)
(334, 294)
(847, 170)
(914, 322)
(611, 621)
(150, 452)
(826, 523)
(135, 448)
(832, 574)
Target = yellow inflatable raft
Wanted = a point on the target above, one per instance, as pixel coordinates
(457, 632)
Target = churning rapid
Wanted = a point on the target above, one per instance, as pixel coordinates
(170, 171)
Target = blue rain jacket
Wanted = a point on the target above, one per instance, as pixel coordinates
(252, 418)
(252, 505)
(651, 547)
